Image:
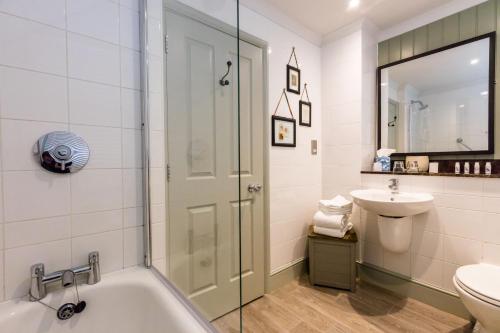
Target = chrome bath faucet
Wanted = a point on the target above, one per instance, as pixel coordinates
(67, 277)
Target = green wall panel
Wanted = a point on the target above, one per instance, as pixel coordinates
(486, 17)
(395, 49)
(420, 40)
(435, 34)
(407, 45)
(468, 23)
(451, 29)
(383, 53)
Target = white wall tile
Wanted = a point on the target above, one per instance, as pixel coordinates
(132, 4)
(461, 251)
(98, 222)
(93, 60)
(30, 195)
(132, 188)
(94, 104)
(133, 244)
(130, 68)
(25, 44)
(448, 274)
(132, 148)
(372, 253)
(491, 187)
(427, 243)
(463, 223)
(50, 218)
(49, 12)
(17, 140)
(491, 254)
(96, 190)
(427, 270)
(32, 96)
(109, 245)
(129, 28)
(105, 145)
(491, 228)
(94, 18)
(37, 231)
(54, 255)
(398, 262)
(464, 186)
(131, 108)
(157, 184)
(133, 217)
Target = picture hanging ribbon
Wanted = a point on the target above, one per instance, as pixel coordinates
(305, 91)
(287, 102)
(293, 55)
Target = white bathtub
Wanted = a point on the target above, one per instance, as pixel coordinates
(131, 301)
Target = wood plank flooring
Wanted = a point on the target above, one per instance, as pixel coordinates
(299, 307)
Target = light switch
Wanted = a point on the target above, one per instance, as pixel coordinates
(314, 147)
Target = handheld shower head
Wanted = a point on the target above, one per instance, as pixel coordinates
(421, 105)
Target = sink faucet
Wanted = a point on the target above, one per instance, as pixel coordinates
(394, 185)
(67, 277)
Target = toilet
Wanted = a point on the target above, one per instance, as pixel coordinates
(479, 288)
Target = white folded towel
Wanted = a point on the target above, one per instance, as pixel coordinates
(337, 233)
(323, 220)
(337, 202)
(335, 211)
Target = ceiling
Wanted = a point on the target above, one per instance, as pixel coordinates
(325, 16)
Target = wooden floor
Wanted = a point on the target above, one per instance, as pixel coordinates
(300, 308)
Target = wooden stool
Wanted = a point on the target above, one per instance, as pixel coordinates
(332, 261)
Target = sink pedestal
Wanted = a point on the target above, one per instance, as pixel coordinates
(395, 233)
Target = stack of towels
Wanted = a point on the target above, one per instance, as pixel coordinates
(332, 218)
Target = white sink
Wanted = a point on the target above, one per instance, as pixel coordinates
(385, 203)
(394, 212)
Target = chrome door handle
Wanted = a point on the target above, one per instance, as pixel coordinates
(254, 188)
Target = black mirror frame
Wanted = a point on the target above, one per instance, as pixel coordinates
(491, 97)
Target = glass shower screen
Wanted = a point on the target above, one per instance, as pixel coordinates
(193, 151)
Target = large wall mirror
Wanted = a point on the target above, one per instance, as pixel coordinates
(440, 102)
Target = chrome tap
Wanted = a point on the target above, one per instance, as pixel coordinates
(67, 277)
(394, 185)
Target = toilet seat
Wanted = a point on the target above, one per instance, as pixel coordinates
(481, 281)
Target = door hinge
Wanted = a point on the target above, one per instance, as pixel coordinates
(168, 172)
(165, 44)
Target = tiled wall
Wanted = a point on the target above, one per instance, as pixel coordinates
(462, 228)
(348, 67)
(69, 65)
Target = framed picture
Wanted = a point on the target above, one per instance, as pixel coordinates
(293, 79)
(283, 131)
(305, 113)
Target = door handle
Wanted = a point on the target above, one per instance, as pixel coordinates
(254, 188)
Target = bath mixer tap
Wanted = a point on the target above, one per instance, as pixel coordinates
(394, 185)
(67, 277)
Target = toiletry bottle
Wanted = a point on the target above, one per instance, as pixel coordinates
(457, 168)
(487, 169)
(477, 169)
(466, 168)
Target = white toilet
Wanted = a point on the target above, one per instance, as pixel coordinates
(479, 288)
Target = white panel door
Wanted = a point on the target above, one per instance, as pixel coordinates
(202, 139)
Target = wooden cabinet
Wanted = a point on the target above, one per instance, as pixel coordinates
(332, 261)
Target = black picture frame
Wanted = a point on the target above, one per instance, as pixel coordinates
(491, 97)
(301, 121)
(273, 131)
(289, 88)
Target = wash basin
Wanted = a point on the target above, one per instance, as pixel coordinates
(385, 203)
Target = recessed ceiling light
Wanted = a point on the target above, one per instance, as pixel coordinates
(474, 61)
(461, 106)
(484, 93)
(353, 4)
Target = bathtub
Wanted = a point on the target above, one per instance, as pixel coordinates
(130, 301)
